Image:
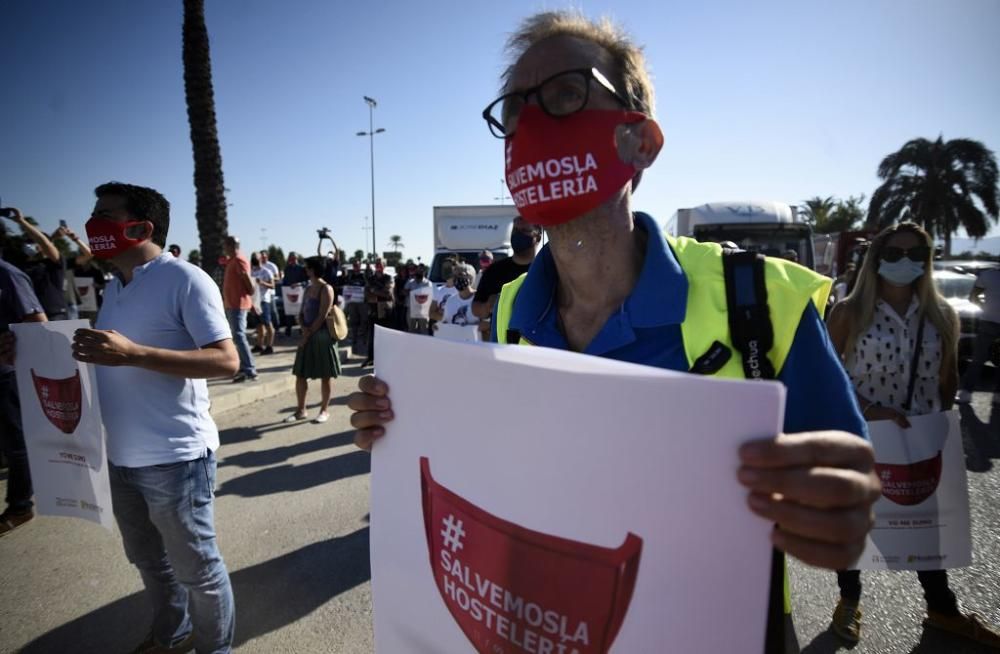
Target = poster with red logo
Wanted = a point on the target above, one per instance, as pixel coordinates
(291, 297)
(922, 519)
(61, 417)
(563, 504)
(88, 294)
(353, 294)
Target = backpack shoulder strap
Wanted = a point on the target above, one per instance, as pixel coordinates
(749, 317)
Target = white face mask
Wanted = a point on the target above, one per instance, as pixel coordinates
(901, 273)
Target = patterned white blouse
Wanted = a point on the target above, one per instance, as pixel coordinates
(879, 366)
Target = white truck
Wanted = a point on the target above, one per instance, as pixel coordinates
(465, 231)
(772, 228)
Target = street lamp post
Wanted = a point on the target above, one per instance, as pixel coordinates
(371, 142)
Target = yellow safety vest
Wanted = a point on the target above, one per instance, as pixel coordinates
(790, 288)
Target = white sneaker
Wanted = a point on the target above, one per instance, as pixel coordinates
(322, 417)
(963, 396)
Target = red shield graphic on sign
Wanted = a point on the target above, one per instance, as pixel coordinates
(293, 298)
(84, 290)
(910, 483)
(421, 299)
(60, 400)
(513, 590)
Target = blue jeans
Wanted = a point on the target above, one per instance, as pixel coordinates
(12, 444)
(238, 325)
(267, 313)
(165, 514)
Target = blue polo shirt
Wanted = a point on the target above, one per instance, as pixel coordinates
(153, 418)
(646, 329)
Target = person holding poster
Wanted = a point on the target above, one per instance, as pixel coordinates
(18, 303)
(576, 117)
(317, 356)
(420, 292)
(456, 315)
(160, 334)
(898, 338)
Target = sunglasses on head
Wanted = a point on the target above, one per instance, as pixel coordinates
(917, 253)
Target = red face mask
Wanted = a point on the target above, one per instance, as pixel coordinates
(560, 168)
(107, 237)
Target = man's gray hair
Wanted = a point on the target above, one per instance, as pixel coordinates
(631, 79)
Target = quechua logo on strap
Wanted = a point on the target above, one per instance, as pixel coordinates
(60, 400)
(515, 590)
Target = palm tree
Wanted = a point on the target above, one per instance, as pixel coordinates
(818, 209)
(396, 242)
(942, 185)
(210, 206)
(359, 255)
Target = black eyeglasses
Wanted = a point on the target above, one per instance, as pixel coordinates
(561, 95)
(917, 253)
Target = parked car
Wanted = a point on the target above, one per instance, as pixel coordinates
(956, 288)
(971, 266)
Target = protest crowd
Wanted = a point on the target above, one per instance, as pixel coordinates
(607, 283)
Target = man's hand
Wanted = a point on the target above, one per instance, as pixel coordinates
(818, 487)
(372, 409)
(105, 348)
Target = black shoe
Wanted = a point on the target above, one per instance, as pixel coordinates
(242, 377)
(267, 350)
(255, 349)
(11, 520)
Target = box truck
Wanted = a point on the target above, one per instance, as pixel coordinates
(772, 228)
(465, 231)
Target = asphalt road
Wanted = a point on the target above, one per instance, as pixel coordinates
(292, 517)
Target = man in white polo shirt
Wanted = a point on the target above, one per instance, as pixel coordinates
(159, 334)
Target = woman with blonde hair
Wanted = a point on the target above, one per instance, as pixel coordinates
(898, 339)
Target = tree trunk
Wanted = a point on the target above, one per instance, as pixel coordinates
(210, 208)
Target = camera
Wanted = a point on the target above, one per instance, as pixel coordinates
(324, 232)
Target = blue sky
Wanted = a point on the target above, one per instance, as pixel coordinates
(770, 100)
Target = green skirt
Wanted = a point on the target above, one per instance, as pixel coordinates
(318, 358)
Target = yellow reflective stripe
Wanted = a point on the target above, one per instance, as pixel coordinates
(505, 307)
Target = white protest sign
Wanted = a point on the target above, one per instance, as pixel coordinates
(922, 519)
(353, 294)
(459, 333)
(88, 294)
(594, 509)
(61, 416)
(291, 298)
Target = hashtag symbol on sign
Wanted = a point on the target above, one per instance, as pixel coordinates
(452, 533)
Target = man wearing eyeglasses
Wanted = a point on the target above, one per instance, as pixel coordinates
(576, 117)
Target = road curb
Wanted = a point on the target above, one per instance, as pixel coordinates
(250, 393)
